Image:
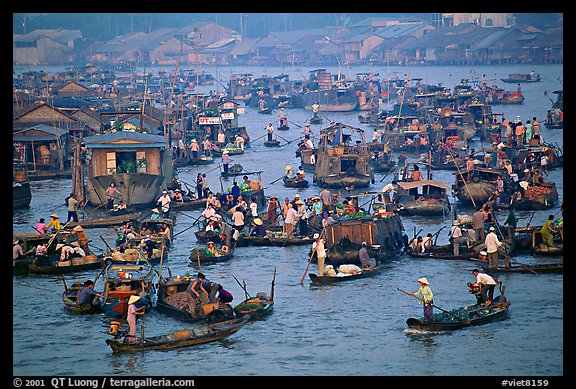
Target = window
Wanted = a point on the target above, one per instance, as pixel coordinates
(488, 23)
(111, 162)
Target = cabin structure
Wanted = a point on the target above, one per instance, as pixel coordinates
(139, 165)
(338, 163)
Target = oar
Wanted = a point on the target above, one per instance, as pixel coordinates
(297, 125)
(310, 260)
(56, 233)
(243, 287)
(272, 286)
(274, 182)
(198, 256)
(281, 137)
(64, 281)
(106, 243)
(260, 137)
(186, 229)
(521, 264)
(435, 306)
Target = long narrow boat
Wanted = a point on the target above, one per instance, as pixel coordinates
(524, 268)
(106, 221)
(181, 338)
(54, 266)
(463, 317)
(199, 254)
(316, 279)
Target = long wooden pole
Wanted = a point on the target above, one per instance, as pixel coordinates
(421, 299)
(463, 180)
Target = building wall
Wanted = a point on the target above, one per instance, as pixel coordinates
(484, 19)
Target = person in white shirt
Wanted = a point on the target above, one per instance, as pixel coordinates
(427, 242)
(456, 235)
(391, 188)
(492, 244)
(238, 219)
(239, 142)
(209, 212)
(164, 201)
(487, 284)
(318, 248)
(290, 220)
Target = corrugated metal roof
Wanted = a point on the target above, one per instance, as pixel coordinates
(110, 140)
(49, 133)
(417, 184)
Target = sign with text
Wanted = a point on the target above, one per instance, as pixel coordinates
(209, 120)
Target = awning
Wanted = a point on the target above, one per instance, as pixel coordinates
(406, 185)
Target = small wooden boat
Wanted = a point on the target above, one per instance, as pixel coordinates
(316, 279)
(444, 252)
(554, 126)
(202, 255)
(122, 281)
(203, 160)
(50, 264)
(272, 143)
(172, 301)
(234, 170)
(524, 268)
(188, 205)
(106, 221)
(463, 317)
(257, 307)
(69, 298)
(295, 182)
(315, 120)
(521, 78)
(265, 111)
(182, 338)
(283, 128)
(232, 150)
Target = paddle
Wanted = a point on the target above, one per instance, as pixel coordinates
(435, 306)
(243, 287)
(521, 264)
(198, 256)
(272, 286)
(260, 137)
(310, 260)
(278, 179)
(297, 125)
(106, 243)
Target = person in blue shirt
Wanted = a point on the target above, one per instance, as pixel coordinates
(86, 294)
(235, 191)
(155, 214)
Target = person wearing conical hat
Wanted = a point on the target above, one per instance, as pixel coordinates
(82, 238)
(427, 298)
(54, 223)
(155, 214)
(131, 317)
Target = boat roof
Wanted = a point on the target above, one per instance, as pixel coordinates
(417, 184)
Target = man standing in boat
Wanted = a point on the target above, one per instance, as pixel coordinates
(281, 116)
(164, 201)
(319, 249)
(270, 130)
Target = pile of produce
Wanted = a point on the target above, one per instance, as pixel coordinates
(533, 192)
(463, 314)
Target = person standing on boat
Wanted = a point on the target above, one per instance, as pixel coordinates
(302, 218)
(456, 236)
(290, 221)
(320, 250)
(205, 188)
(196, 293)
(487, 285)
(194, 147)
(492, 245)
(270, 131)
(110, 194)
(315, 110)
(87, 293)
(326, 198)
(391, 189)
(427, 298)
(164, 202)
(72, 205)
(281, 115)
(511, 223)
(17, 250)
(225, 160)
(478, 224)
(131, 317)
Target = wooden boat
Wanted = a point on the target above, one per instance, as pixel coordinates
(69, 298)
(156, 225)
(382, 234)
(21, 194)
(521, 78)
(284, 241)
(188, 205)
(233, 150)
(433, 201)
(258, 307)
(203, 160)
(172, 301)
(315, 120)
(447, 253)
(283, 128)
(204, 256)
(265, 111)
(480, 187)
(463, 317)
(338, 164)
(122, 281)
(50, 264)
(555, 125)
(132, 256)
(316, 279)
(272, 143)
(537, 197)
(182, 338)
(106, 221)
(295, 182)
(527, 268)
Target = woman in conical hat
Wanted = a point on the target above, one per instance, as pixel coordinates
(131, 317)
(427, 298)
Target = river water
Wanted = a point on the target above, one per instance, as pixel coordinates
(356, 328)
